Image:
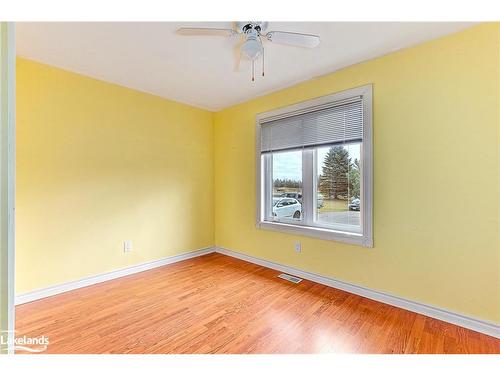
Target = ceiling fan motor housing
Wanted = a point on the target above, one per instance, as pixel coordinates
(246, 26)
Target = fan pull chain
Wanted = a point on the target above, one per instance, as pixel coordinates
(253, 70)
(263, 61)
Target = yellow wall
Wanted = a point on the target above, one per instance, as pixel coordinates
(436, 168)
(98, 164)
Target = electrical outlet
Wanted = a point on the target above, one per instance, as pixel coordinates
(127, 246)
(298, 247)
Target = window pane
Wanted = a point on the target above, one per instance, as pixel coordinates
(287, 185)
(338, 187)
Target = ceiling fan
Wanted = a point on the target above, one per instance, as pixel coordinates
(253, 34)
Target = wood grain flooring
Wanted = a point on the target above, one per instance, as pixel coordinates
(219, 304)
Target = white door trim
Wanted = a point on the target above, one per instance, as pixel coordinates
(7, 173)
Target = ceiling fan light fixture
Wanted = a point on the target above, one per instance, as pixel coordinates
(252, 48)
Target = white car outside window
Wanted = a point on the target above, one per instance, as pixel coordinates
(286, 208)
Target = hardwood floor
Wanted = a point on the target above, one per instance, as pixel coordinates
(218, 304)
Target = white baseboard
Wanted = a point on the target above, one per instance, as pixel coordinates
(488, 328)
(71, 285)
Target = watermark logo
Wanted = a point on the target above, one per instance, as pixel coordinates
(8, 340)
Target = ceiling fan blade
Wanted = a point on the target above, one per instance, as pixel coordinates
(237, 58)
(293, 39)
(205, 31)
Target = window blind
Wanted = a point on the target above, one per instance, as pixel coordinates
(335, 124)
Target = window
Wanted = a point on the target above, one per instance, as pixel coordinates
(314, 164)
(287, 184)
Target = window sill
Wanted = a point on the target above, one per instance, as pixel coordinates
(321, 233)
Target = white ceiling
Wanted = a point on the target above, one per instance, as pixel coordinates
(200, 71)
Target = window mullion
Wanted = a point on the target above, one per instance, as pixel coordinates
(268, 186)
(307, 186)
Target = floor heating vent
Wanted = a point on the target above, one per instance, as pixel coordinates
(291, 278)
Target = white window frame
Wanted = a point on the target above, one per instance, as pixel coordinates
(306, 228)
